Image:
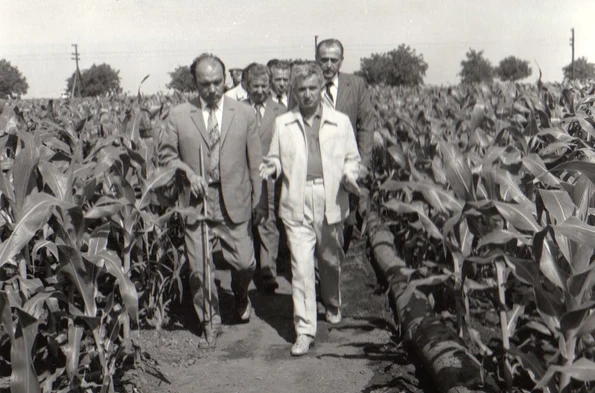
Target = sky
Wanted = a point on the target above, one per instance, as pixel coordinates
(153, 37)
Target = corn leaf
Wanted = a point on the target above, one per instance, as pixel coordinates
(25, 161)
(24, 378)
(403, 208)
(535, 165)
(72, 266)
(72, 350)
(113, 265)
(571, 320)
(160, 178)
(586, 168)
(582, 370)
(106, 207)
(36, 211)
(577, 230)
(56, 180)
(548, 263)
(6, 315)
(502, 236)
(518, 216)
(457, 172)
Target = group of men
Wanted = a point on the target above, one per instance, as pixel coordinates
(286, 148)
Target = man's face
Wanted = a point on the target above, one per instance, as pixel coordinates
(330, 59)
(210, 81)
(236, 77)
(307, 91)
(279, 80)
(258, 89)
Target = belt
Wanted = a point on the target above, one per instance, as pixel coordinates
(318, 180)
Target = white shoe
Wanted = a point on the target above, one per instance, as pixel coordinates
(302, 345)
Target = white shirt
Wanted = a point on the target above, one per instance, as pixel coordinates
(282, 101)
(218, 113)
(262, 107)
(237, 93)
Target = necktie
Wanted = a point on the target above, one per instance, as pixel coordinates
(258, 108)
(214, 139)
(280, 99)
(329, 94)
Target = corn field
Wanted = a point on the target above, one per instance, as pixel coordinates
(488, 190)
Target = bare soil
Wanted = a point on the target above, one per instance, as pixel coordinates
(361, 354)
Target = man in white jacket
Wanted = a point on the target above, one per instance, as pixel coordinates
(315, 151)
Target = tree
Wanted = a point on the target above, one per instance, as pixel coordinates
(97, 80)
(512, 69)
(12, 83)
(182, 80)
(476, 68)
(583, 70)
(401, 66)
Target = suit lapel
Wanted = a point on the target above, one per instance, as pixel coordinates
(342, 91)
(271, 111)
(228, 114)
(198, 119)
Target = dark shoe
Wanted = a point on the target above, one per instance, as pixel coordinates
(302, 345)
(244, 308)
(270, 286)
(210, 332)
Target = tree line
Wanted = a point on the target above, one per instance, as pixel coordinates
(402, 66)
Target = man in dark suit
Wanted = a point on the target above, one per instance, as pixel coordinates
(226, 132)
(266, 234)
(347, 93)
(280, 73)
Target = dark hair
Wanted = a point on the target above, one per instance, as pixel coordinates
(205, 57)
(304, 70)
(330, 42)
(255, 70)
(278, 64)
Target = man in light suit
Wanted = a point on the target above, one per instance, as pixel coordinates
(266, 234)
(226, 132)
(315, 153)
(347, 93)
(238, 91)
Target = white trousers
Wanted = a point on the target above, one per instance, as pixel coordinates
(313, 240)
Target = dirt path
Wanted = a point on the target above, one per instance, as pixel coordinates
(358, 355)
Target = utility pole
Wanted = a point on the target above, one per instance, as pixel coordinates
(77, 74)
(315, 45)
(572, 46)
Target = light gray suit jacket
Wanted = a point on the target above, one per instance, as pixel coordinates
(239, 157)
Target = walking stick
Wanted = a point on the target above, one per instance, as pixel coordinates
(206, 252)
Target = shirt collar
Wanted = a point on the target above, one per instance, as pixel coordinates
(205, 106)
(317, 115)
(264, 104)
(335, 80)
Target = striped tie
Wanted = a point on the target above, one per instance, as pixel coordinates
(329, 95)
(214, 145)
